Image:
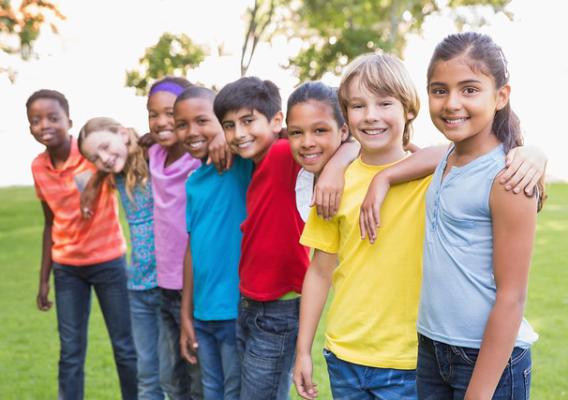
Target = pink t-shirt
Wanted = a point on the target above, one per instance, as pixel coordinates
(170, 234)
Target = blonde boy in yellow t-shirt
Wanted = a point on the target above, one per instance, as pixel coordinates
(370, 345)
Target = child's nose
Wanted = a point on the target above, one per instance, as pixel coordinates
(308, 140)
(453, 101)
(372, 114)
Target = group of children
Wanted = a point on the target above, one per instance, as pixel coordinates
(220, 299)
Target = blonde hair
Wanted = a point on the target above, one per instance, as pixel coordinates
(136, 168)
(383, 75)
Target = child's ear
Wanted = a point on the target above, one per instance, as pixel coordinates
(276, 122)
(344, 131)
(410, 116)
(503, 94)
(70, 123)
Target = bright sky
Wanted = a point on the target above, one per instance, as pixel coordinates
(100, 40)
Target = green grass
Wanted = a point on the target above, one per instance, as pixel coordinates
(29, 343)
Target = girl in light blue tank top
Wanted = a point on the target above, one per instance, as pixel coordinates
(474, 341)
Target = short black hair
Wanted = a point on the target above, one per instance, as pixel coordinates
(49, 94)
(195, 92)
(317, 91)
(248, 92)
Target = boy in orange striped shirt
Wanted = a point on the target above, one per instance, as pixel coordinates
(81, 252)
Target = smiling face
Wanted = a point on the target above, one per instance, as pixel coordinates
(49, 124)
(377, 122)
(196, 125)
(463, 100)
(249, 133)
(107, 150)
(161, 118)
(313, 134)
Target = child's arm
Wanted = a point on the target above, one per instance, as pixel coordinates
(220, 153)
(420, 164)
(314, 294)
(329, 186)
(514, 225)
(42, 299)
(525, 167)
(187, 339)
(91, 192)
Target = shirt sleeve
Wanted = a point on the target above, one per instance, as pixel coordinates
(321, 234)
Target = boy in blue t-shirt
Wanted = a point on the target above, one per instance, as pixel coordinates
(215, 210)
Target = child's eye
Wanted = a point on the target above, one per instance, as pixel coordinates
(356, 106)
(470, 90)
(248, 121)
(320, 130)
(202, 121)
(53, 119)
(386, 103)
(295, 132)
(228, 125)
(437, 91)
(181, 125)
(170, 114)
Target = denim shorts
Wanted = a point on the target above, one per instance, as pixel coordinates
(351, 381)
(444, 372)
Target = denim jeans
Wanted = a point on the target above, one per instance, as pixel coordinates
(351, 381)
(145, 314)
(220, 363)
(179, 379)
(266, 341)
(73, 304)
(444, 372)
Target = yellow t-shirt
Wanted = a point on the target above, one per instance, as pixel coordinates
(372, 318)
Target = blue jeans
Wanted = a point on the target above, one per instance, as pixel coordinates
(220, 364)
(358, 382)
(444, 372)
(266, 340)
(145, 314)
(73, 304)
(179, 379)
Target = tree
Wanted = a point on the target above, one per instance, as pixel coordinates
(336, 31)
(20, 27)
(172, 55)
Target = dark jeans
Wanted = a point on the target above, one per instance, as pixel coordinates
(266, 341)
(179, 379)
(73, 303)
(444, 372)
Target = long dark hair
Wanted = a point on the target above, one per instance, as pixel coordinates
(486, 56)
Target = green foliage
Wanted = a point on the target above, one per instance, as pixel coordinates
(172, 55)
(336, 31)
(20, 27)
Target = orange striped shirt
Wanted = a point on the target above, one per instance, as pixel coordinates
(78, 241)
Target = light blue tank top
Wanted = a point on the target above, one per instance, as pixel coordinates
(458, 286)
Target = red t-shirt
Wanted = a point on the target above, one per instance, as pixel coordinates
(273, 262)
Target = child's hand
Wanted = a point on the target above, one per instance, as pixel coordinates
(525, 166)
(42, 300)
(87, 200)
(303, 377)
(220, 154)
(369, 217)
(327, 193)
(146, 140)
(188, 341)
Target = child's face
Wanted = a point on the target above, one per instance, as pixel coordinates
(376, 121)
(161, 118)
(196, 125)
(463, 101)
(49, 124)
(313, 134)
(249, 133)
(107, 150)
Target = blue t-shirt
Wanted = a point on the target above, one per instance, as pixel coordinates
(458, 286)
(141, 270)
(215, 210)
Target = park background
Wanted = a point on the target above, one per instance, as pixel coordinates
(98, 41)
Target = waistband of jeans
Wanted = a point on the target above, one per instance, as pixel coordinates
(275, 305)
(170, 292)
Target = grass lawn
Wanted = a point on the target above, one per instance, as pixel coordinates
(28, 337)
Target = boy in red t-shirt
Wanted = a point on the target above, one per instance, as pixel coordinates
(273, 263)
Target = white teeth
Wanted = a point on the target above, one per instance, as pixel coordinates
(455, 120)
(310, 156)
(244, 145)
(196, 145)
(165, 134)
(373, 132)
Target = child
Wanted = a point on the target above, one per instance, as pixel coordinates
(215, 211)
(273, 263)
(114, 150)
(477, 251)
(82, 253)
(170, 166)
(370, 344)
